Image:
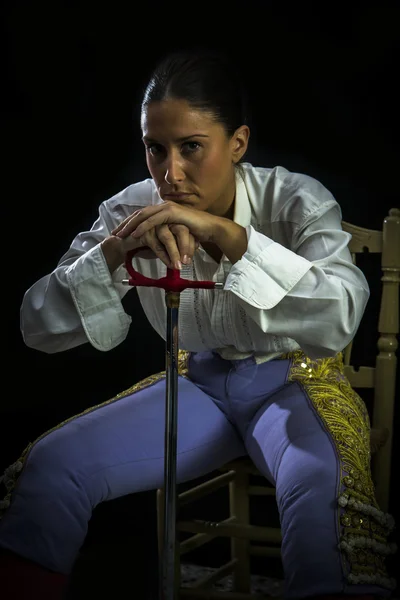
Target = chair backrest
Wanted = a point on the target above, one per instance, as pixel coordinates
(382, 376)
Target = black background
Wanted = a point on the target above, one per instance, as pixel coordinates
(323, 85)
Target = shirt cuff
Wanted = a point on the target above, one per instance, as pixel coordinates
(266, 272)
(97, 301)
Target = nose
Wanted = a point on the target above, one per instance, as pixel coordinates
(174, 169)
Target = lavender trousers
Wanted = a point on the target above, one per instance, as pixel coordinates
(226, 409)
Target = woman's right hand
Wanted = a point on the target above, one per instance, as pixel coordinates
(172, 244)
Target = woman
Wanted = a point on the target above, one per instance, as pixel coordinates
(261, 372)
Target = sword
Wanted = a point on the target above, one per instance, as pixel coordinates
(173, 285)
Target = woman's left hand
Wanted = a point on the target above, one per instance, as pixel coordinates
(201, 224)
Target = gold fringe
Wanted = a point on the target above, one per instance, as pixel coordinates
(364, 527)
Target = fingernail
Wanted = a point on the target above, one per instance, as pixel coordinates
(178, 265)
(185, 259)
(188, 260)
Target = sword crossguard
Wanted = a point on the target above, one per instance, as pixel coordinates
(172, 282)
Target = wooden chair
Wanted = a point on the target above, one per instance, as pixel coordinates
(238, 474)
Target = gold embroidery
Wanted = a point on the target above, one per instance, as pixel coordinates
(12, 472)
(364, 528)
(183, 362)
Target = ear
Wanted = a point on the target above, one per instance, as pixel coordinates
(239, 142)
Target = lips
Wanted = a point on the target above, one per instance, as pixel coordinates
(178, 198)
(178, 195)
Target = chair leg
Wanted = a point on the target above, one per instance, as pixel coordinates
(239, 508)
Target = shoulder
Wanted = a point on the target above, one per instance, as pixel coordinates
(277, 194)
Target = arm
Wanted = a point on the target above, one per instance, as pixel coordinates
(231, 239)
(311, 292)
(80, 300)
(308, 289)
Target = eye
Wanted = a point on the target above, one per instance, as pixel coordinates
(154, 149)
(191, 147)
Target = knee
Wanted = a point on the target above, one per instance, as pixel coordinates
(51, 456)
(307, 480)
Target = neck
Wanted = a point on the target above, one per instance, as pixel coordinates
(231, 210)
(227, 202)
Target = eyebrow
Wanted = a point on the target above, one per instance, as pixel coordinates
(182, 139)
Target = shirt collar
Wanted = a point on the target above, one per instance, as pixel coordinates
(242, 212)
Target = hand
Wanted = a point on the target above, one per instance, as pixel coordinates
(115, 249)
(171, 244)
(201, 224)
(230, 237)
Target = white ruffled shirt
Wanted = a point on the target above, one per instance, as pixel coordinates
(295, 287)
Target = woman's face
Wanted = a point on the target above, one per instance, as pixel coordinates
(190, 157)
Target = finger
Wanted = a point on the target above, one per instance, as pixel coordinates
(151, 240)
(192, 248)
(140, 227)
(187, 248)
(121, 227)
(146, 218)
(129, 243)
(182, 235)
(137, 217)
(169, 241)
(153, 216)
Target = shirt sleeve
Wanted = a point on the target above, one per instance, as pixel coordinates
(311, 292)
(79, 301)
